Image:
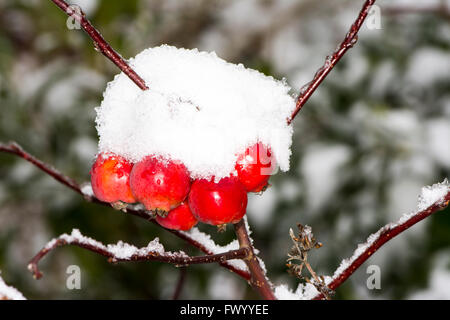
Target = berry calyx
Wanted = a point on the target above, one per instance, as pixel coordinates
(110, 179)
(160, 185)
(218, 203)
(180, 218)
(255, 166)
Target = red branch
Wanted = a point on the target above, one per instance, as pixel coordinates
(15, 149)
(178, 258)
(383, 235)
(258, 280)
(100, 43)
(350, 39)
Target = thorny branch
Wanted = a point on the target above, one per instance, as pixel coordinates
(15, 149)
(144, 254)
(348, 42)
(100, 43)
(377, 240)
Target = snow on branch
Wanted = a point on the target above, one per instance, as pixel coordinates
(9, 293)
(122, 251)
(86, 191)
(432, 199)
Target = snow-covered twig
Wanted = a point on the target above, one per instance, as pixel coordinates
(432, 199)
(348, 42)
(86, 192)
(100, 43)
(122, 251)
(9, 293)
(258, 280)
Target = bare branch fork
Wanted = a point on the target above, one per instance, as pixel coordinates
(100, 43)
(124, 252)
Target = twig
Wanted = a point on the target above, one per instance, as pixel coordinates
(349, 41)
(125, 252)
(15, 149)
(180, 283)
(378, 239)
(100, 43)
(258, 279)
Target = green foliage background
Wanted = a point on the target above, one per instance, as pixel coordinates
(43, 65)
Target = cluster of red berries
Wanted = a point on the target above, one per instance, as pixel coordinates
(165, 187)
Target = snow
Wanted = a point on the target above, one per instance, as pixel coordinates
(9, 293)
(86, 190)
(305, 291)
(121, 250)
(199, 109)
(430, 195)
(433, 194)
(210, 245)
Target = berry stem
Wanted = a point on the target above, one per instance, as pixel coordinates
(258, 280)
(100, 43)
(15, 149)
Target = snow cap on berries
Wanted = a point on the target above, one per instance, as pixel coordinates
(199, 109)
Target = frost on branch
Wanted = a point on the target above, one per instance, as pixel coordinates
(120, 251)
(200, 110)
(430, 196)
(9, 293)
(431, 199)
(213, 248)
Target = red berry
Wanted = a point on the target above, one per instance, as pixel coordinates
(255, 166)
(180, 218)
(159, 184)
(110, 179)
(218, 203)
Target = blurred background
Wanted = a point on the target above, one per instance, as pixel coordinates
(375, 132)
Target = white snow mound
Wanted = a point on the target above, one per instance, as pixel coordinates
(199, 109)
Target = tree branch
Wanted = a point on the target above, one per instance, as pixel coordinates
(100, 43)
(125, 252)
(348, 42)
(388, 232)
(17, 150)
(258, 280)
